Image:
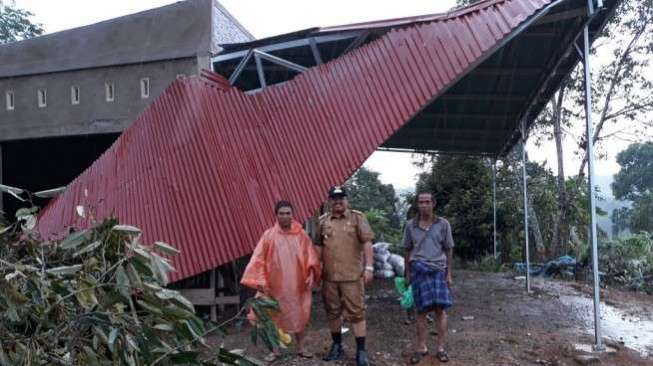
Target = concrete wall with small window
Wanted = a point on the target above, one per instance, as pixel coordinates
(76, 103)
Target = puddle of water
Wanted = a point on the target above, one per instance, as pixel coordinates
(634, 332)
(589, 348)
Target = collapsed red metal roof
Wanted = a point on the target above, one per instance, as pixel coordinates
(202, 167)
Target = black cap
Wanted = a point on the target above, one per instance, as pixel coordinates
(337, 191)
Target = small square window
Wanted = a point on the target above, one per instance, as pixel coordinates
(74, 95)
(109, 91)
(10, 100)
(145, 88)
(42, 96)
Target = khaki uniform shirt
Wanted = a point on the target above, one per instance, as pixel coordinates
(342, 240)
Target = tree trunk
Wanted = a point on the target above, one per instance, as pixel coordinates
(559, 245)
(534, 226)
(506, 247)
(614, 81)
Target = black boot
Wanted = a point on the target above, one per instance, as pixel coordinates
(335, 353)
(361, 358)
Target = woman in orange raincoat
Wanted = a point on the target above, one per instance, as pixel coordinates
(285, 266)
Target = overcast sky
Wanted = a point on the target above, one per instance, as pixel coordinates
(270, 17)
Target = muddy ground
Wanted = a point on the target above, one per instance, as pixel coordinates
(509, 327)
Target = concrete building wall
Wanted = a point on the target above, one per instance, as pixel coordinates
(94, 114)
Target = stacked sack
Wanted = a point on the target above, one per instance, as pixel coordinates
(387, 264)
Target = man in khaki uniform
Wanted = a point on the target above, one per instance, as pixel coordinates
(344, 243)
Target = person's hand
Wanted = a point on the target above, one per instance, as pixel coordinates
(265, 292)
(310, 283)
(368, 276)
(449, 280)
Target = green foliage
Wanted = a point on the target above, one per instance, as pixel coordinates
(382, 227)
(98, 297)
(629, 261)
(15, 24)
(620, 220)
(634, 182)
(635, 179)
(640, 216)
(463, 190)
(379, 202)
(486, 264)
(265, 328)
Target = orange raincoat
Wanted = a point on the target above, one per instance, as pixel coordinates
(281, 265)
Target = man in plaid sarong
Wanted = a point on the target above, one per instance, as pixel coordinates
(429, 251)
(430, 288)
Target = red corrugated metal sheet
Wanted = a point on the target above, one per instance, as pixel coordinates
(202, 167)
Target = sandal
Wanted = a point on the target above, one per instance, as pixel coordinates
(271, 357)
(442, 356)
(305, 354)
(417, 357)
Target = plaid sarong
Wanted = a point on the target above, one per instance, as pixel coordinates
(430, 288)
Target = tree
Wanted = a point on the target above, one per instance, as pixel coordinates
(634, 182)
(635, 179)
(366, 193)
(619, 218)
(462, 189)
(98, 297)
(15, 24)
(640, 217)
(561, 226)
(623, 90)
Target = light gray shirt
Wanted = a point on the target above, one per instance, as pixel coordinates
(429, 246)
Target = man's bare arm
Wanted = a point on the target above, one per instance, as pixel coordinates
(407, 266)
(449, 266)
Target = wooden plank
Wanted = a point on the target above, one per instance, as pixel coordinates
(228, 300)
(220, 281)
(199, 296)
(205, 297)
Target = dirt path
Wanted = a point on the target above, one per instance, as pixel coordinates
(509, 327)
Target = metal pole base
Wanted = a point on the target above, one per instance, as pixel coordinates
(599, 348)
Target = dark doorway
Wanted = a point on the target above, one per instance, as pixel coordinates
(41, 164)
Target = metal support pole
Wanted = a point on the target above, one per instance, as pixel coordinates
(524, 184)
(279, 61)
(316, 51)
(598, 346)
(241, 66)
(259, 69)
(494, 205)
(1, 194)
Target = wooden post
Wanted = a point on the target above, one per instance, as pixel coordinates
(214, 297)
(214, 315)
(1, 194)
(220, 289)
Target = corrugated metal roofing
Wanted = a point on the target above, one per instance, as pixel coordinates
(202, 167)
